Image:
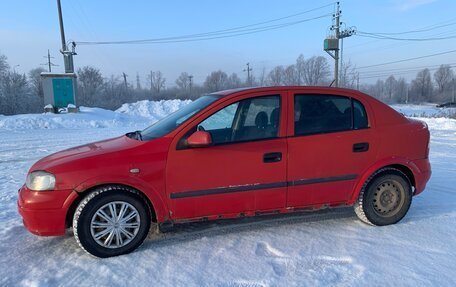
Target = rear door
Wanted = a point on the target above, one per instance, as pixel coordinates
(331, 144)
(245, 168)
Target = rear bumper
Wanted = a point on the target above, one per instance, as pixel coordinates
(422, 174)
(44, 212)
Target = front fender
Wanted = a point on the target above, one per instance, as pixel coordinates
(155, 197)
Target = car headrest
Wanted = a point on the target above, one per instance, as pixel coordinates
(261, 120)
(275, 117)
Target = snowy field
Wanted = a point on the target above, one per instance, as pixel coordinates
(329, 248)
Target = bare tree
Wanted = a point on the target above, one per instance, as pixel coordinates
(36, 83)
(275, 76)
(401, 91)
(316, 71)
(443, 77)
(348, 75)
(15, 93)
(291, 76)
(216, 81)
(390, 88)
(183, 81)
(262, 77)
(157, 81)
(90, 83)
(300, 68)
(234, 81)
(4, 66)
(422, 86)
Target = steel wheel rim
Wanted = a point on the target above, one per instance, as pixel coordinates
(115, 224)
(388, 198)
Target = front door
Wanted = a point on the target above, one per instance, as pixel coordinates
(244, 170)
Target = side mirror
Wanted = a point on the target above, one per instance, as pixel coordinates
(199, 139)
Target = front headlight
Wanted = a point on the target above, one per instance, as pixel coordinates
(40, 180)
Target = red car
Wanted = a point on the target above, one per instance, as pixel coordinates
(232, 154)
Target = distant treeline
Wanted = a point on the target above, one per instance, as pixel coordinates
(21, 93)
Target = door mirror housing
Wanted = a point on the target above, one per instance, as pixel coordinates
(199, 139)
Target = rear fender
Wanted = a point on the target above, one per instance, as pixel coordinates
(379, 165)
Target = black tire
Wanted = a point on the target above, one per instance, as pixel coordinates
(87, 216)
(385, 198)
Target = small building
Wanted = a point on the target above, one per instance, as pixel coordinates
(59, 89)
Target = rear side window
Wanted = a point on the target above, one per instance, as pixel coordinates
(321, 114)
(359, 116)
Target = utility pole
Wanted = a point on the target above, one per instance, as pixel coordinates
(151, 82)
(49, 63)
(357, 81)
(125, 80)
(454, 90)
(406, 95)
(138, 82)
(332, 43)
(190, 83)
(67, 55)
(248, 70)
(336, 52)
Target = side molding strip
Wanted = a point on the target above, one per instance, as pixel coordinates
(252, 187)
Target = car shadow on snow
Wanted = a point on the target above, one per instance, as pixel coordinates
(184, 232)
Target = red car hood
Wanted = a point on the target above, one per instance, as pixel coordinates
(84, 151)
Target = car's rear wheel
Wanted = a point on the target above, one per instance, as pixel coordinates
(111, 221)
(385, 198)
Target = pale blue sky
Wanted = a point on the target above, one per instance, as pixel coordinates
(29, 28)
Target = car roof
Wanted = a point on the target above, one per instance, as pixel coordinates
(321, 89)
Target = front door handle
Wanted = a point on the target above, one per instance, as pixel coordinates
(360, 147)
(272, 157)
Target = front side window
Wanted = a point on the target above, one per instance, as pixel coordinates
(321, 114)
(172, 121)
(246, 120)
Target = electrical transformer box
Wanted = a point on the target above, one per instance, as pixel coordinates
(59, 89)
(331, 44)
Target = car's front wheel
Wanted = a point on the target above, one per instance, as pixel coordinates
(385, 198)
(111, 221)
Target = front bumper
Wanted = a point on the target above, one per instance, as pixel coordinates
(44, 212)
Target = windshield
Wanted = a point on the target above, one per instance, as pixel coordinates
(172, 121)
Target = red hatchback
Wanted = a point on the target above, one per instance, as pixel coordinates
(232, 154)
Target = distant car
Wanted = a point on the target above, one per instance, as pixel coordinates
(447, 105)
(232, 154)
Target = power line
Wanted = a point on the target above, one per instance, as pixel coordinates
(381, 37)
(425, 29)
(386, 74)
(404, 69)
(408, 59)
(231, 32)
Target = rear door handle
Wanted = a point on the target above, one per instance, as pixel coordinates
(272, 157)
(360, 147)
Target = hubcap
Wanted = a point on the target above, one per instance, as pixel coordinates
(388, 198)
(115, 224)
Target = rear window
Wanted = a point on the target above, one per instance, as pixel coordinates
(322, 114)
(327, 113)
(359, 116)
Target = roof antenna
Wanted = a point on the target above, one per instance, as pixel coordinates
(332, 82)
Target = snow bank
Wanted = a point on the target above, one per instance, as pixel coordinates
(136, 115)
(424, 110)
(152, 110)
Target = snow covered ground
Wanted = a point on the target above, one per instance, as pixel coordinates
(317, 249)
